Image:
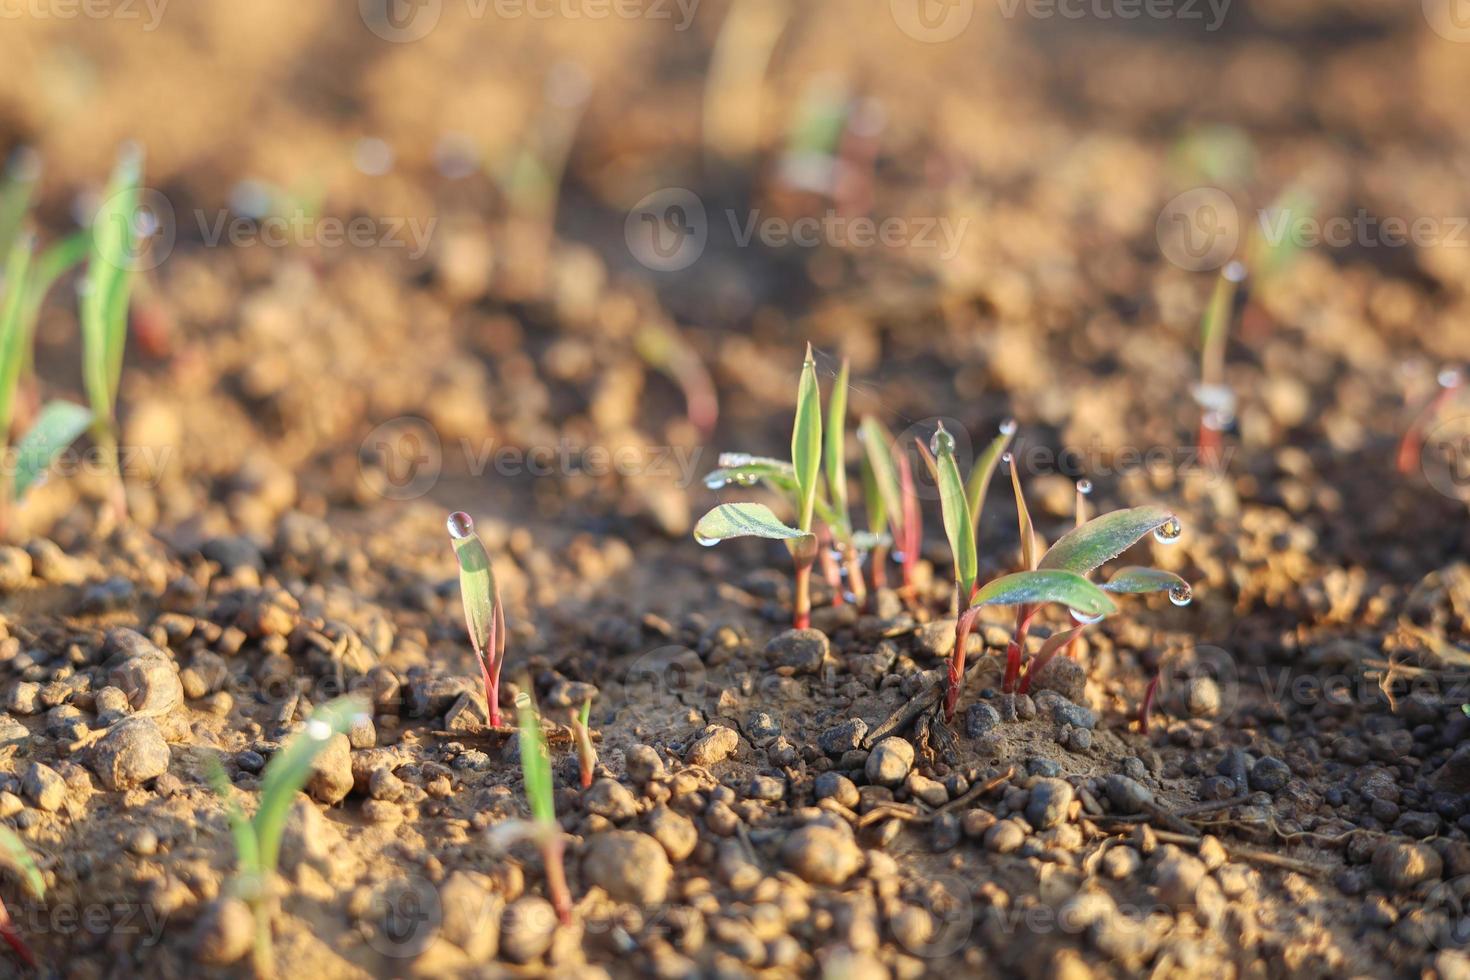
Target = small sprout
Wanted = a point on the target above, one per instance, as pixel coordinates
(586, 753)
(959, 525)
(984, 468)
(883, 499)
(17, 858)
(1215, 398)
(1146, 707)
(542, 829)
(665, 350)
(1411, 447)
(258, 838)
(484, 615)
(104, 307)
(835, 458)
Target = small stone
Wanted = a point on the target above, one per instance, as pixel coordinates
(470, 914)
(980, 718)
(24, 698)
(131, 753)
(716, 744)
(1063, 675)
(527, 927)
(936, 638)
(331, 773)
(844, 737)
(467, 714)
(674, 831)
(44, 786)
(142, 841)
(1202, 697)
(15, 568)
(928, 790)
(225, 933)
(1400, 865)
(944, 832)
(611, 799)
(977, 821)
(821, 854)
(644, 764)
(761, 727)
(1127, 795)
(837, 787)
(1177, 877)
(53, 565)
(1064, 712)
(890, 761)
(768, 789)
(804, 651)
(232, 554)
(1048, 803)
(629, 866)
(1269, 775)
(1005, 837)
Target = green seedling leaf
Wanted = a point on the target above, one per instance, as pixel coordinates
(880, 477)
(17, 857)
(1033, 588)
(1023, 517)
(12, 336)
(1215, 325)
(49, 266)
(104, 312)
(743, 521)
(958, 526)
(835, 452)
(1136, 580)
(19, 184)
(477, 587)
(247, 848)
(806, 440)
(290, 768)
(1106, 537)
(745, 470)
(57, 427)
(984, 469)
(535, 762)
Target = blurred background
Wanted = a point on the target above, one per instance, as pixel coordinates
(390, 237)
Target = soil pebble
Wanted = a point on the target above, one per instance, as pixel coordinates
(889, 762)
(44, 786)
(716, 744)
(1269, 775)
(1063, 675)
(822, 855)
(527, 927)
(611, 799)
(15, 568)
(224, 933)
(470, 914)
(331, 773)
(629, 866)
(130, 754)
(837, 787)
(1048, 803)
(1400, 865)
(843, 737)
(804, 651)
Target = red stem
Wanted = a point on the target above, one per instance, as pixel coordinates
(830, 571)
(962, 628)
(880, 571)
(802, 608)
(1411, 447)
(1148, 703)
(552, 850)
(1209, 446)
(1013, 667)
(13, 938)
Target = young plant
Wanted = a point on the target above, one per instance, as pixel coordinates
(542, 829)
(892, 505)
(800, 478)
(15, 856)
(1411, 448)
(582, 731)
(1216, 399)
(835, 458)
(258, 838)
(104, 308)
(663, 349)
(59, 423)
(17, 187)
(484, 615)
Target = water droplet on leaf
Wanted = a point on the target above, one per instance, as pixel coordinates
(1008, 427)
(1085, 619)
(1449, 377)
(715, 481)
(1181, 595)
(706, 541)
(460, 525)
(942, 443)
(318, 730)
(1084, 487)
(1169, 531)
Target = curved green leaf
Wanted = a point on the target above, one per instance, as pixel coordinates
(956, 512)
(835, 451)
(535, 761)
(880, 477)
(57, 426)
(806, 440)
(743, 521)
(981, 473)
(1104, 538)
(1136, 580)
(478, 590)
(1051, 585)
(1030, 540)
(12, 328)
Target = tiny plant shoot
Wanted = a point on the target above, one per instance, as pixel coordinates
(484, 615)
(799, 479)
(15, 857)
(104, 307)
(582, 731)
(1216, 399)
(1411, 448)
(542, 829)
(258, 838)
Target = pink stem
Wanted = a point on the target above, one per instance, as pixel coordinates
(962, 629)
(556, 877)
(1146, 707)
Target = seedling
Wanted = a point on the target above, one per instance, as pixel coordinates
(892, 505)
(582, 731)
(852, 543)
(1411, 448)
(60, 422)
(15, 856)
(104, 307)
(22, 172)
(736, 77)
(258, 838)
(484, 615)
(1215, 398)
(664, 350)
(542, 829)
(800, 478)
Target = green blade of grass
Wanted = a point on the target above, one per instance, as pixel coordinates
(478, 590)
(835, 451)
(16, 190)
(53, 263)
(1023, 519)
(746, 470)
(12, 339)
(1051, 585)
(247, 848)
(290, 768)
(58, 425)
(983, 470)
(958, 526)
(880, 476)
(1136, 580)
(806, 440)
(1104, 538)
(17, 857)
(109, 281)
(535, 761)
(744, 521)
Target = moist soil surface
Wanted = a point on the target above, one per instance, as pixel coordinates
(301, 420)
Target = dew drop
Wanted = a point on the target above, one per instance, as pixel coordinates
(1084, 487)
(706, 541)
(460, 525)
(747, 479)
(942, 443)
(715, 481)
(1085, 619)
(1169, 531)
(372, 156)
(318, 730)
(1235, 271)
(1008, 427)
(1007, 459)
(1181, 595)
(1449, 378)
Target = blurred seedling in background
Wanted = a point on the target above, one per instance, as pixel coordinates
(484, 615)
(542, 830)
(1213, 395)
(892, 502)
(582, 733)
(16, 858)
(1449, 382)
(1055, 575)
(106, 295)
(258, 838)
(733, 108)
(799, 479)
(831, 149)
(663, 348)
(530, 179)
(60, 422)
